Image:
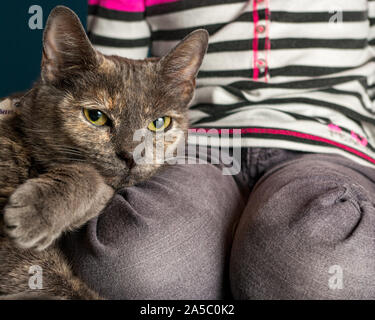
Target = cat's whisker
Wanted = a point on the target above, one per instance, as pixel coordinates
(69, 150)
(68, 159)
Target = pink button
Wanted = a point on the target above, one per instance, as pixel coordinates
(261, 65)
(260, 28)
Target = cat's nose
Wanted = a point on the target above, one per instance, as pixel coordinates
(127, 157)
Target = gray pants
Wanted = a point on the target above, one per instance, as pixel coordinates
(305, 230)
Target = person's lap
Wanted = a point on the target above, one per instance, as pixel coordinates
(307, 233)
(171, 237)
(167, 238)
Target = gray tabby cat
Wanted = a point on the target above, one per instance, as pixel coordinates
(69, 146)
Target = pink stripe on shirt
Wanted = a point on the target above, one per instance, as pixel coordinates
(293, 134)
(255, 42)
(128, 5)
(120, 5)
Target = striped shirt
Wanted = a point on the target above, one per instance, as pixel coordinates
(292, 74)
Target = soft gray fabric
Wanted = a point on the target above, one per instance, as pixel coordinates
(168, 238)
(171, 237)
(304, 219)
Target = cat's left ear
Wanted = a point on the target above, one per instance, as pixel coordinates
(182, 64)
(66, 47)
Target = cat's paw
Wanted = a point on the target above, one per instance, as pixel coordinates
(25, 219)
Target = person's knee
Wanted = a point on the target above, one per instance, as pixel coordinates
(306, 233)
(163, 239)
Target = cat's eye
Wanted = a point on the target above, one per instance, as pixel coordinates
(160, 124)
(96, 117)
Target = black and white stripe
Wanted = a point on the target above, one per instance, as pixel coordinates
(318, 72)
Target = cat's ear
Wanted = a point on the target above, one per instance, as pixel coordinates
(182, 64)
(66, 47)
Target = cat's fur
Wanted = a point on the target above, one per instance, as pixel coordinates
(57, 170)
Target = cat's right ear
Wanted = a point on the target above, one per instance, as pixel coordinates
(181, 65)
(66, 47)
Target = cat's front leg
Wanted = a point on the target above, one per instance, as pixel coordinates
(63, 199)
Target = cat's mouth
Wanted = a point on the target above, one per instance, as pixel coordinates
(127, 174)
(124, 177)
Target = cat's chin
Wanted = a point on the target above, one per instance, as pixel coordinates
(140, 173)
(136, 175)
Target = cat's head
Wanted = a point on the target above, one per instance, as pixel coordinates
(87, 106)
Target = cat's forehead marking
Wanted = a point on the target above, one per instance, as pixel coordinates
(109, 102)
(104, 99)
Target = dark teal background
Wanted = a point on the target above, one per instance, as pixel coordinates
(21, 47)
